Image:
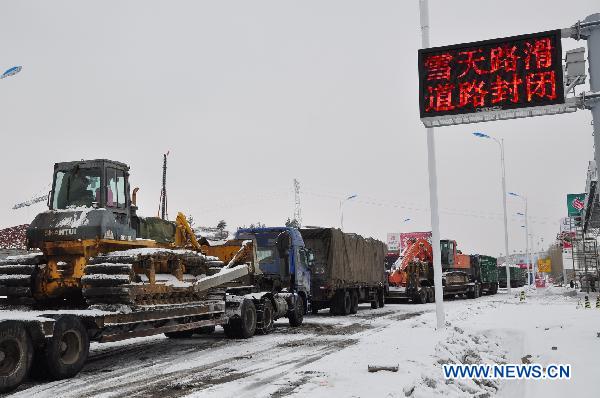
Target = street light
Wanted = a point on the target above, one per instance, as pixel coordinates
(11, 72)
(342, 209)
(530, 269)
(500, 143)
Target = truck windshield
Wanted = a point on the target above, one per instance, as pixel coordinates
(76, 187)
(266, 250)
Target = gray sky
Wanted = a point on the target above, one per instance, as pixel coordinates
(248, 95)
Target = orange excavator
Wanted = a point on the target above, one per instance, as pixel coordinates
(419, 250)
(416, 250)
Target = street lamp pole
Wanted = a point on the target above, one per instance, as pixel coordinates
(530, 267)
(342, 209)
(503, 169)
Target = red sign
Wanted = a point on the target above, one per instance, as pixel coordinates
(513, 72)
(405, 236)
(540, 282)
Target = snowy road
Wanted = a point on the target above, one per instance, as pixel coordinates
(329, 355)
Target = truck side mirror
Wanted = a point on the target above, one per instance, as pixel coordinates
(283, 243)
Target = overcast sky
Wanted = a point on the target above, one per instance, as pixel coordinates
(248, 95)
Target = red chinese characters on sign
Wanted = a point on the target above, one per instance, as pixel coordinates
(438, 67)
(505, 73)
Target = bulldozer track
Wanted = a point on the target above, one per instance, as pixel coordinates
(17, 276)
(147, 279)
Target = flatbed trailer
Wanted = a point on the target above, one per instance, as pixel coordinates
(420, 288)
(54, 344)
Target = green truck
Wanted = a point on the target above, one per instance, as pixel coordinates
(484, 271)
(518, 276)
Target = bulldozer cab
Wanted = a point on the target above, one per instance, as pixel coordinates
(92, 183)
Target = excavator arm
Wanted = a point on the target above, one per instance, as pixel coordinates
(416, 250)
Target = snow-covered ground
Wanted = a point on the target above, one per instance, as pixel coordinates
(329, 356)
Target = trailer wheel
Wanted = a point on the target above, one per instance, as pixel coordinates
(375, 303)
(431, 295)
(477, 292)
(297, 315)
(66, 351)
(354, 300)
(422, 296)
(244, 326)
(16, 355)
(381, 298)
(264, 317)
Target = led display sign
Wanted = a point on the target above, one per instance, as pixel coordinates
(492, 75)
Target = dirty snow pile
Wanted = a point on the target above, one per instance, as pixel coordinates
(13, 237)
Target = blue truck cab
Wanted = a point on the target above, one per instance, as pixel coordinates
(293, 277)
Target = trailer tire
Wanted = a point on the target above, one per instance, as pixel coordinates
(422, 296)
(431, 295)
(381, 298)
(264, 317)
(244, 326)
(17, 355)
(375, 303)
(354, 300)
(296, 316)
(67, 350)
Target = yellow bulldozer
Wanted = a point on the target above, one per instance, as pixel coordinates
(94, 248)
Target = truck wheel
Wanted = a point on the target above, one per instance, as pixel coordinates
(375, 303)
(354, 300)
(422, 296)
(431, 295)
(347, 303)
(477, 292)
(16, 355)
(244, 326)
(264, 317)
(381, 298)
(66, 351)
(297, 315)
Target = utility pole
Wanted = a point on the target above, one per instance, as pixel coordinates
(433, 197)
(163, 193)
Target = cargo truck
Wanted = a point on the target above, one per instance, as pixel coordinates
(484, 271)
(412, 276)
(518, 276)
(348, 269)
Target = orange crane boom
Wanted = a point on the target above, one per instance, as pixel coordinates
(416, 250)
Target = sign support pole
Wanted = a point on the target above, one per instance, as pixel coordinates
(433, 197)
(506, 264)
(593, 42)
